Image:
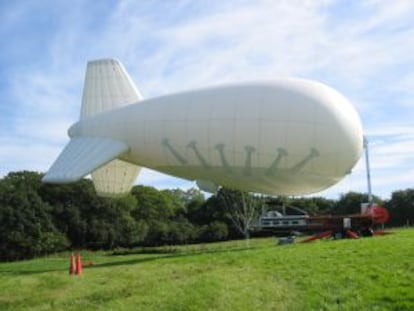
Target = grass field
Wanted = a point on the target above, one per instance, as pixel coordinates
(367, 274)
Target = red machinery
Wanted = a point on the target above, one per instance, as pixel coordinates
(349, 226)
(336, 226)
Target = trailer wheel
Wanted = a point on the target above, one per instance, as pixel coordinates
(338, 235)
(367, 232)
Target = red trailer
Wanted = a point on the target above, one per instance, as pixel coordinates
(336, 226)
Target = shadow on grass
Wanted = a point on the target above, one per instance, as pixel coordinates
(30, 272)
(160, 256)
(170, 255)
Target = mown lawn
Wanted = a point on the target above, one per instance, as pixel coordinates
(367, 274)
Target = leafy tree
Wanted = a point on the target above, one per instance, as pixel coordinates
(94, 222)
(131, 231)
(181, 231)
(350, 203)
(70, 212)
(204, 212)
(26, 228)
(215, 231)
(153, 204)
(241, 208)
(315, 205)
(401, 207)
(157, 209)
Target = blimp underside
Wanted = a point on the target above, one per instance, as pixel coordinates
(281, 137)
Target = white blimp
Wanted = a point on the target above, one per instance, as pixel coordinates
(283, 137)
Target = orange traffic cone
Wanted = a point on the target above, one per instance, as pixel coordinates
(72, 264)
(78, 270)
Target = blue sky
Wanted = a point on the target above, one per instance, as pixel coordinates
(364, 49)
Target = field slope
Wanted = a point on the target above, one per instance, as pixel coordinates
(367, 274)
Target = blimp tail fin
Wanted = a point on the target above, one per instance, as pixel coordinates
(83, 155)
(115, 179)
(107, 86)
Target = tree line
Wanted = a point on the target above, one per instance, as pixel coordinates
(38, 219)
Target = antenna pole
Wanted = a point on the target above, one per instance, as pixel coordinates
(368, 172)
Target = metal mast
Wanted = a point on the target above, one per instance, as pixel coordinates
(370, 201)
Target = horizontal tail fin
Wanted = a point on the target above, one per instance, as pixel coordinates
(81, 156)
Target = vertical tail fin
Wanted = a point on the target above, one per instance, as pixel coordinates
(107, 86)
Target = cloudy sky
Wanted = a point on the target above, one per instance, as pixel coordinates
(364, 49)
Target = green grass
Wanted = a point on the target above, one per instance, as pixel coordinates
(367, 274)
